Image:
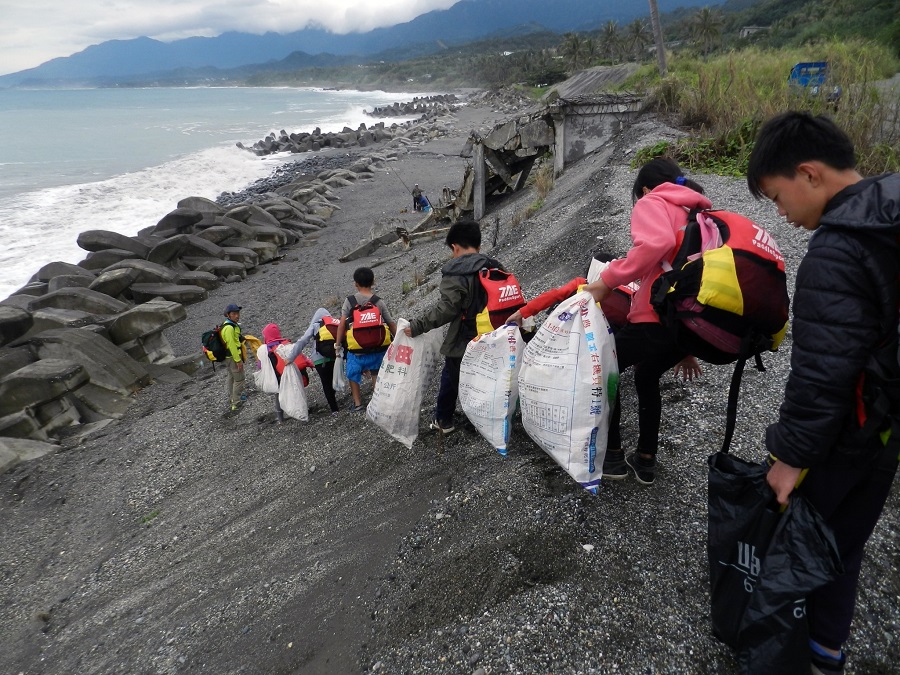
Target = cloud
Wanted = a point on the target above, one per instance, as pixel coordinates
(35, 31)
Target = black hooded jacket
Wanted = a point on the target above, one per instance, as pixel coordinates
(845, 310)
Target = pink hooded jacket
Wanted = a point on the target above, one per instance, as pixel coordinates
(656, 219)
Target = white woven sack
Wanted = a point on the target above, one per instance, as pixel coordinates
(339, 381)
(291, 394)
(265, 377)
(405, 371)
(488, 383)
(567, 385)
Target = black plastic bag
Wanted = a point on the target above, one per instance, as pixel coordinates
(762, 564)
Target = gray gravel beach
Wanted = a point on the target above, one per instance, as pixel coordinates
(178, 540)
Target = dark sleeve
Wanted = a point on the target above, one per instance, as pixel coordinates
(837, 323)
(453, 301)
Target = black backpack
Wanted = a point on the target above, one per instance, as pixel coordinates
(213, 346)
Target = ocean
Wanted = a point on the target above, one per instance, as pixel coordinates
(120, 159)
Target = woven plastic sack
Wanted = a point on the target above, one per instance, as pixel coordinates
(488, 383)
(405, 371)
(567, 387)
(266, 380)
(292, 395)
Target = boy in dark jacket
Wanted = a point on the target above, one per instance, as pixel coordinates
(458, 279)
(845, 329)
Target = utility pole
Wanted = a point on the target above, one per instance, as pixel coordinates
(658, 38)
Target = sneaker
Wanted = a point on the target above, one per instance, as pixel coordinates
(444, 430)
(357, 408)
(614, 466)
(822, 664)
(644, 469)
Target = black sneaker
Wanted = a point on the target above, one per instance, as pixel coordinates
(644, 469)
(614, 466)
(824, 665)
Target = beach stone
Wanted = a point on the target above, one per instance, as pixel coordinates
(144, 319)
(201, 204)
(82, 299)
(22, 424)
(100, 260)
(168, 249)
(206, 280)
(266, 251)
(259, 217)
(114, 282)
(14, 451)
(13, 358)
(40, 382)
(106, 364)
(269, 233)
(68, 281)
(49, 318)
(217, 233)
(198, 246)
(101, 240)
(147, 272)
(179, 220)
(238, 226)
(14, 323)
(55, 269)
(175, 292)
(33, 289)
(246, 256)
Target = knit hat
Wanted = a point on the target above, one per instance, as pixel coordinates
(272, 333)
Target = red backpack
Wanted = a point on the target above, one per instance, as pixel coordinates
(326, 337)
(497, 295)
(367, 331)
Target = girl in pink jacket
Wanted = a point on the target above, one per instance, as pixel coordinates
(663, 198)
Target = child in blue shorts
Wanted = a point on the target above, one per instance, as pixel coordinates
(365, 330)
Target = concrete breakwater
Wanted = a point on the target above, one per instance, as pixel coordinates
(78, 341)
(428, 108)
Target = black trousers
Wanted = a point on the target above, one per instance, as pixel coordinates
(652, 349)
(326, 374)
(850, 498)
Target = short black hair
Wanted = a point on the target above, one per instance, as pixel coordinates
(364, 276)
(794, 137)
(657, 171)
(465, 233)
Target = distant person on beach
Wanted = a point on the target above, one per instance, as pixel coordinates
(237, 354)
(365, 331)
(456, 307)
(324, 353)
(662, 199)
(841, 407)
(418, 199)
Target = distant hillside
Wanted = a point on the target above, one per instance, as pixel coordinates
(429, 33)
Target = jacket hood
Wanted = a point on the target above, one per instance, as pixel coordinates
(872, 204)
(680, 195)
(272, 334)
(468, 264)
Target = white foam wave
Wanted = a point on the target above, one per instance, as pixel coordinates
(42, 226)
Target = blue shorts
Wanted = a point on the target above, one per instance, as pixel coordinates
(357, 364)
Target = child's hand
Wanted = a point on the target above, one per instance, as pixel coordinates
(408, 331)
(516, 318)
(689, 368)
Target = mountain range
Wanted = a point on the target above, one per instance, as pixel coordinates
(466, 21)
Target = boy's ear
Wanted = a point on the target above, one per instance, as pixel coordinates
(810, 172)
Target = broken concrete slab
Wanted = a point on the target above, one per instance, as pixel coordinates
(101, 240)
(14, 323)
(82, 299)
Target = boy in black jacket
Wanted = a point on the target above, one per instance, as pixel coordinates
(457, 296)
(844, 348)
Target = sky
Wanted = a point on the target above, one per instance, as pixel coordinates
(35, 31)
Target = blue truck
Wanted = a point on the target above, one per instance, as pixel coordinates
(811, 79)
